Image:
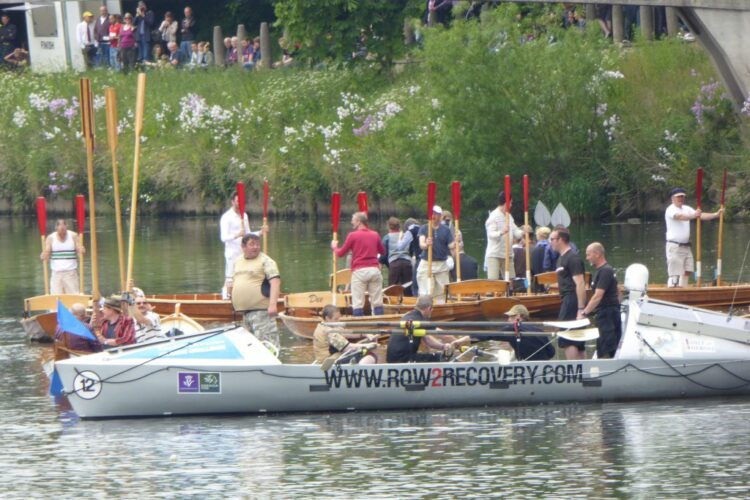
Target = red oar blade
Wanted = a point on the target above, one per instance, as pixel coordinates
(723, 187)
(362, 201)
(80, 212)
(241, 198)
(699, 188)
(525, 193)
(335, 211)
(456, 198)
(507, 193)
(41, 214)
(431, 192)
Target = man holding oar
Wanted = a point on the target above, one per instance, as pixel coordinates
(234, 225)
(442, 244)
(365, 245)
(570, 271)
(680, 262)
(62, 249)
(497, 228)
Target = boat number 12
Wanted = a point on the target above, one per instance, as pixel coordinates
(87, 385)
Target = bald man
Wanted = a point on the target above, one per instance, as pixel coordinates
(605, 302)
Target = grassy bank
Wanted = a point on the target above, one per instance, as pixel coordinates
(603, 130)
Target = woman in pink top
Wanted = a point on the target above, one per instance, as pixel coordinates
(127, 43)
(114, 38)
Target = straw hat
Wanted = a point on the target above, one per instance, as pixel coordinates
(518, 309)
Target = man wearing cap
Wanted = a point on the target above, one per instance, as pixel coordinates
(569, 269)
(403, 348)
(679, 256)
(365, 246)
(87, 39)
(442, 244)
(605, 302)
(526, 347)
(495, 225)
(248, 293)
(117, 328)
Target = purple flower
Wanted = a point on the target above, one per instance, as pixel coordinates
(364, 129)
(56, 104)
(54, 188)
(52, 175)
(69, 113)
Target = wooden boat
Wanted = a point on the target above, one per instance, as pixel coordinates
(205, 307)
(668, 350)
(179, 322)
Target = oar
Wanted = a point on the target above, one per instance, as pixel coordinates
(508, 235)
(526, 233)
(81, 220)
(431, 188)
(241, 203)
(335, 212)
(41, 216)
(574, 335)
(721, 229)
(140, 102)
(698, 193)
(87, 127)
(542, 216)
(558, 325)
(456, 199)
(362, 202)
(111, 100)
(560, 216)
(265, 216)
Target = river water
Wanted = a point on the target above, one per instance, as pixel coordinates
(697, 448)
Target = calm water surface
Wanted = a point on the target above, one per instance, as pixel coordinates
(690, 449)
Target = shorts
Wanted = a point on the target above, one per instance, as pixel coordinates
(263, 326)
(679, 259)
(568, 312)
(64, 282)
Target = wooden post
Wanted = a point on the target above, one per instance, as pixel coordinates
(647, 22)
(219, 55)
(241, 34)
(266, 53)
(617, 24)
(673, 23)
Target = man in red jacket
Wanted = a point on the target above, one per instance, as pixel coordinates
(365, 245)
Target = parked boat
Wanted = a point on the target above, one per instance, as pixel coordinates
(668, 350)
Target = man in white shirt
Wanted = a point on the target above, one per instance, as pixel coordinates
(62, 249)
(679, 256)
(87, 39)
(233, 228)
(494, 257)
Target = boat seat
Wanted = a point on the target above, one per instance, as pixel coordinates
(470, 289)
(315, 300)
(49, 302)
(548, 280)
(343, 279)
(393, 294)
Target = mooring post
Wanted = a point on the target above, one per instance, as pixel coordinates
(218, 46)
(647, 22)
(266, 54)
(617, 24)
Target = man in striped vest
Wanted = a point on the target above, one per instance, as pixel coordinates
(62, 249)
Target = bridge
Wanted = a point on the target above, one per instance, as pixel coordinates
(719, 25)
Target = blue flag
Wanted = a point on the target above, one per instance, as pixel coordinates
(70, 324)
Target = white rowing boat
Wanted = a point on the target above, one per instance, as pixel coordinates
(667, 351)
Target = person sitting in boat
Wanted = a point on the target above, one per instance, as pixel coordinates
(402, 348)
(538, 253)
(329, 341)
(147, 322)
(117, 327)
(526, 347)
(77, 342)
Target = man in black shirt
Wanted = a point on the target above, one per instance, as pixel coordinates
(403, 348)
(605, 302)
(569, 270)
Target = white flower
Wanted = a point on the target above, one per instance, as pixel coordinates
(99, 102)
(435, 103)
(283, 150)
(19, 117)
(613, 74)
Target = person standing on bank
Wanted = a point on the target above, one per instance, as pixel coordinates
(605, 302)
(87, 39)
(497, 229)
(233, 227)
(680, 262)
(8, 35)
(365, 245)
(259, 307)
(572, 288)
(61, 249)
(442, 244)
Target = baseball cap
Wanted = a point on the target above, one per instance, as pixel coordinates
(518, 309)
(88, 14)
(677, 191)
(437, 210)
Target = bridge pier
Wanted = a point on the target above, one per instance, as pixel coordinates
(647, 22)
(618, 24)
(673, 24)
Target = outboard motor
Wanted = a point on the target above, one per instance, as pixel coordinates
(636, 281)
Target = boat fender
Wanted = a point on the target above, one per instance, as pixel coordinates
(636, 280)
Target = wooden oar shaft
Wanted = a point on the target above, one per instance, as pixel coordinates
(87, 121)
(45, 266)
(265, 235)
(698, 252)
(559, 325)
(458, 257)
(111, 101)
(721, 246)
(333, 258)
(528, 252)
(139, 106)
(578, 335)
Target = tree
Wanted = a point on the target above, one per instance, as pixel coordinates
(337, 29)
